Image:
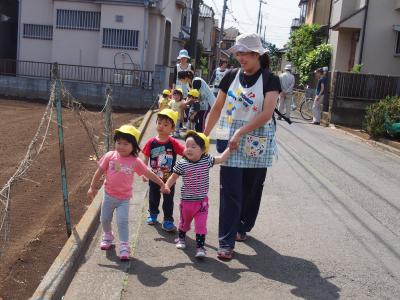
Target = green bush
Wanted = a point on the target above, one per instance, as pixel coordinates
(357, 68)
(381, 113)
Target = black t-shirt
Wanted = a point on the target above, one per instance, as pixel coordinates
(322, 80)
(249, 80)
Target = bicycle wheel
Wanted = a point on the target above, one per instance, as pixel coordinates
(306, 109)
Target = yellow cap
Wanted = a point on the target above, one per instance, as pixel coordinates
(166, 92)
(179, 90)
(194, 93)
(129, 129)
(201, 135)
(173, 115)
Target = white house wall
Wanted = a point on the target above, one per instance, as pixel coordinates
(133, 19)
(71, 46)
(33, 49)
(155, 49)
(380, 38)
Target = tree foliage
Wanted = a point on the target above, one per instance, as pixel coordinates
(306, 50)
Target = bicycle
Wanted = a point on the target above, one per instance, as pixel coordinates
(306, 104)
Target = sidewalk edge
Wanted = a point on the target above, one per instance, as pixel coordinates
(380, 144)
(61, 272)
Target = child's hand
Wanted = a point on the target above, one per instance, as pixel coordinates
(145, 179)
(91, 193)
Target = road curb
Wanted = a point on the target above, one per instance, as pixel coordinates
(60, 273)
(380, 143)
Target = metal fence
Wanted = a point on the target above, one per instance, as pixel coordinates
(366, 86)
(122, 77)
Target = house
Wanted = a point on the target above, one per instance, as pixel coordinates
(106, 33)
(366, 32)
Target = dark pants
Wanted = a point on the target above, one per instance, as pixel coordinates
(201, 120)
(154, 201)
(240, 197)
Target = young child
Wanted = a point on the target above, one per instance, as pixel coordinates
(119, 166)
(176, 104)
(194, 168)
(193, 101)
(162, 150)
(163, 102)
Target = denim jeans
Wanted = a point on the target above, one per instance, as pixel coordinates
(108, 206)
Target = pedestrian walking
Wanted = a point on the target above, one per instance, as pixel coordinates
(161, 151)
(194, 168)
(182, 65)
(177, 104)
(119, 166)
(286, 96)
(217, 75)
(319, 94)
(163, 101)
(206, 97)
(244, 108)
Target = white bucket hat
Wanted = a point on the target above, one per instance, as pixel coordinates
(248, 42)
(288, 67)
(183, 53)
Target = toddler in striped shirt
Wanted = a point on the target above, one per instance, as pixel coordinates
(194, 168)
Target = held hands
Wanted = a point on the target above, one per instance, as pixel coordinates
(165, 189)
(235, 140)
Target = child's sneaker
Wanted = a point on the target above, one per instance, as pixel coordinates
(106, 242)
(124, 251)
(180, 243)
(200, 252)
(151, 219)
(168, 226)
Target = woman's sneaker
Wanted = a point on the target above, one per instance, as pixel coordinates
(180, 243)
(124, 251)
(200, 252)
(107, 240)
(151, 219)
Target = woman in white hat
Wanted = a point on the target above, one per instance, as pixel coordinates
(244, 108)
(182, 65)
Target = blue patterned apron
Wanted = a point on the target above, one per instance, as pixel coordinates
(258, 147)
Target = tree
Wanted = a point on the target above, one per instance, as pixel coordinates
(274, 56)
(306, 51)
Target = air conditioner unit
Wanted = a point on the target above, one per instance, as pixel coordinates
(117, 78)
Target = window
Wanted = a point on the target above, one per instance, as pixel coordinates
(120, 38)
(119, 19)
(77, 19)
(41, 32)
(397, 50)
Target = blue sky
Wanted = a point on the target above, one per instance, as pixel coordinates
(277, 17)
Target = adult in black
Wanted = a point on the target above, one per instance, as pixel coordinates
(319, 95)
(244, 111)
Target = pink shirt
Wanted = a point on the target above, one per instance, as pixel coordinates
(119, 173)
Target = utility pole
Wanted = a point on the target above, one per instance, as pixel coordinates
(221, 33)
(193, 29)
(259, 16)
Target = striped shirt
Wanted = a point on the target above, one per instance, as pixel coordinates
(195, 177)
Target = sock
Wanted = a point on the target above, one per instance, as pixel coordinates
(200, 240)
(182, 234)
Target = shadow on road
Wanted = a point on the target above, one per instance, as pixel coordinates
(303, 275)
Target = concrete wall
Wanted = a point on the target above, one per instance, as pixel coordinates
(71, 46)
(86, 93)
(33, 49)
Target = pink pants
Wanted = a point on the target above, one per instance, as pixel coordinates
(197, 210)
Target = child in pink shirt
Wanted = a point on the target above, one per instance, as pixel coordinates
(119, 166)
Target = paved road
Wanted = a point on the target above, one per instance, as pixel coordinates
(328, 228)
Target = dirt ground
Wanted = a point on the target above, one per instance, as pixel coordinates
(38, 229)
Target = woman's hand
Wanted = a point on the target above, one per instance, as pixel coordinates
(92, 193)
(235, 140)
